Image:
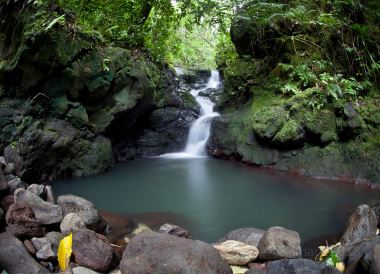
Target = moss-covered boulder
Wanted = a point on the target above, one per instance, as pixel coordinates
(290, 135)
(55, 149)
(267, 122)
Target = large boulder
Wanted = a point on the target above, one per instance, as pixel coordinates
(14, 258)
(83, 208)
(70, 153)
(361, 225)
(152, 252)
(237, 253)
(279, 243)
(92, 250)
(22, 222)
(295, 266)
(363, 256)
(46, 213)
(247, 235)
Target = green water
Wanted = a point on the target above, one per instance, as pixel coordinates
(216, 196)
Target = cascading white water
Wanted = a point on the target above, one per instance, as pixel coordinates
(200, 129)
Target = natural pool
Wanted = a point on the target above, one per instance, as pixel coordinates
(216, 196)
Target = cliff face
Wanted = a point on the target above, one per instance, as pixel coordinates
(303, 94)
(68, 99)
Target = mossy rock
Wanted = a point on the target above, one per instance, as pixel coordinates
(78, 116)
(320, 125)
(60, 105)
(267, 122)
(290, 135)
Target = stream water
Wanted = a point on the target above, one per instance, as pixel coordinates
(212, 197)
(216, 196)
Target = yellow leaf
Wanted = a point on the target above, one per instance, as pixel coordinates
(340, 267)
(324, 253)
(322, 247)
(64, 251)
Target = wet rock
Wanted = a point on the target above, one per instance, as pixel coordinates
(54, 239)
(237, 253)
(16, 183)
(92, 250)
(70, 223)
(361, 225)
(30, 247)
(174, 230)
(80, 206)
(363, 256)
(22, 222)
(247, 235)
(36, 189)
(7, 201)
(46, 213)
(152, 252)
(14, 257)
(294, 266)
(279, 243)
(49, 194)
(83, 270)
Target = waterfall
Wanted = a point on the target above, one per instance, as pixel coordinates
(200, 129)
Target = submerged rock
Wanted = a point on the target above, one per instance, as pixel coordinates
(279, 243)
(237, 253)
(152, 252)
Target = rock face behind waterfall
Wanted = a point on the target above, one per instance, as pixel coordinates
(69, 106)
(305, 130)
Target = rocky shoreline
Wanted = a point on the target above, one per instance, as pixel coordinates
(33, 222)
